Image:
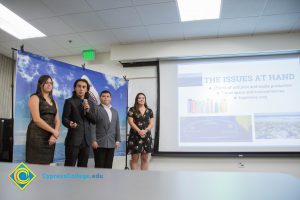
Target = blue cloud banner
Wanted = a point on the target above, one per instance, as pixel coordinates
(30, 67)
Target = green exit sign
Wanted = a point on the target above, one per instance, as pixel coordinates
(88, 55)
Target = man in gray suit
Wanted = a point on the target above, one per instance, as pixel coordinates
(107, 135)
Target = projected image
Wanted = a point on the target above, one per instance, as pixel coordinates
(206, 106)
(279, 126)
(187, 80)
(215, 129)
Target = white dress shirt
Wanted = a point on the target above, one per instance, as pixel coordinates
(108, 111)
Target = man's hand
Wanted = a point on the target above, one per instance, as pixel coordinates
(95, 145)
(86, 106)
(73, 124)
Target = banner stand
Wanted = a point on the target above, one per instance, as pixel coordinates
(126, 132)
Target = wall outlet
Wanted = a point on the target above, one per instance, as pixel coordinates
(241, 165)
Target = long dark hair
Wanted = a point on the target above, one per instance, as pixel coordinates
(41, 82)
(136, 104)
(86, 95)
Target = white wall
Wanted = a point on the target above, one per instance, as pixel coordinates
(281, 165)
(278, 165)
(270, 43)
(207, 47)
(102, 63)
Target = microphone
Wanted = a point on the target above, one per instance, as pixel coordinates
(84, 102)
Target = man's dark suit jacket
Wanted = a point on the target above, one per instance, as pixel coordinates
(73, 111)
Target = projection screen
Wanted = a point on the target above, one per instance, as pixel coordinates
(236, 104)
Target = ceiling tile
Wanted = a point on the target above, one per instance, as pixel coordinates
(45, 43)
(145, 2)
(62, 7)
(121, 17)
(28, 9)
(242, 8)
(131, 35)
(276, 23)
(98, 48)
(5, 51)
(102, 48)
(108, 4)
(98, 24)
(69, 41)
(33, 50)
(4, 36)
(78, 50)
(84, 22)
(52, 26)
(56, 52)
(99, 37)
(281, 6)
(159, 13)
(11, 44)
(165, 32)
(205, 28)
(238, 26)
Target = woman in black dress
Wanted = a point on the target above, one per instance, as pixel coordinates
(43, 129)
(140, 119)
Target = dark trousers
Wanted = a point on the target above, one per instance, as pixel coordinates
(79, 154)
(104, 157)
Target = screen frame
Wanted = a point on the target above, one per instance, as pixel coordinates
(238, 154)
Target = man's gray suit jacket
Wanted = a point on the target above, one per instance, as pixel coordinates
(107, 133)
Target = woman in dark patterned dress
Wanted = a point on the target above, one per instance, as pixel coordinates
(140, 119)
(43, 129)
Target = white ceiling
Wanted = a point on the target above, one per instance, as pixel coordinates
(98, 24)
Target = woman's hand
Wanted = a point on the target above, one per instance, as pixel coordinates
(142, 133)
(52, 140)
(55, 133)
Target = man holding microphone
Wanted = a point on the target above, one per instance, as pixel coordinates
(78, 116)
